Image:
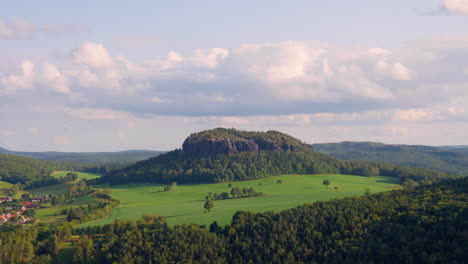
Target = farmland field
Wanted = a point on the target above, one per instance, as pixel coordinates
(185, 204)
(4, 186)
(62, 188)
(81, 175)
(52, 215)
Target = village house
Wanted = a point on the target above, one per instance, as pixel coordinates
(39, 199)
(6, 199)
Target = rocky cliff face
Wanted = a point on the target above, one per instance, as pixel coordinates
(224, 141)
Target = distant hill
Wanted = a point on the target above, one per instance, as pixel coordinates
(32, 172)
(129, 156)
(224, 155)
(451, 159)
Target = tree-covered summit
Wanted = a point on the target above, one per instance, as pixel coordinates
(230, 141)
(225, 155)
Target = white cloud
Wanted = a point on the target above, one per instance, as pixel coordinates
(7, 133)
(378, 52)
(17, 28)
(19, 81)
(93, 55)
(281, 78)
(396, 70)
(456, 6)
(98, 114)
(54, 79)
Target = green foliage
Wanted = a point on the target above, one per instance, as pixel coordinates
(450, 160)
(175, 166)
(420, 225)
(84, 252)
(130, 156)
(236, 192)
(33, 173)
(208, 205)
(326, 183)
(234, 134)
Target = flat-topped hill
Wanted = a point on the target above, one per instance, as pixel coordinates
(226, 155)
(232, 141)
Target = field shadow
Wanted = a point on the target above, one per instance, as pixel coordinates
(389, 181)
(172, 216)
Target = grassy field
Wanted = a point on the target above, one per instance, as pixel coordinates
(52, 215)
(48, 215)
(4, 186)
(81, 175)
(185, 204)
(62, 188)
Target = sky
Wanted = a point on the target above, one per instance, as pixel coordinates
(117, 75)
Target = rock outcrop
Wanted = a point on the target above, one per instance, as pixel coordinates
(230, 141)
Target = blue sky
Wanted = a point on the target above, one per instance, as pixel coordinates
(113, 75)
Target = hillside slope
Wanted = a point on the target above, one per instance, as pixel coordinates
(448, 159)
(32, 172)
(128, 156)
(224, 155)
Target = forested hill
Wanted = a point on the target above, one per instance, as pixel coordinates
(224, 155)
(427, 224)
(32, 172)
(128, 156)
(448, 159)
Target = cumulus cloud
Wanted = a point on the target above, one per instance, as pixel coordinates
(396, 70)
(456, 6)
(93, 55)
(263, 79)
(31, 77)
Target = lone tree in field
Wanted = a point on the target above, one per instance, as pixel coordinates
(326, 183)
(336, 188)
(208, 205)
(279, 181)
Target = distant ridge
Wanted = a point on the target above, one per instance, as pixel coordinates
(126, 156)
(226, 155)
(451, 159)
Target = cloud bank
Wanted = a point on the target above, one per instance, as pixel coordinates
(274, 85)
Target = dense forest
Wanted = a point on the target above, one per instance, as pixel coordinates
(448, 159)
(32, 172)
(181, 168)
(426, 224)
(129, 156)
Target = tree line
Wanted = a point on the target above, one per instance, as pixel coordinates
(235, 192)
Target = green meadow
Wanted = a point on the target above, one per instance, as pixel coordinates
(81, 175)
(4, 186)
(184, 205)
(62, 188)
(52, 215)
